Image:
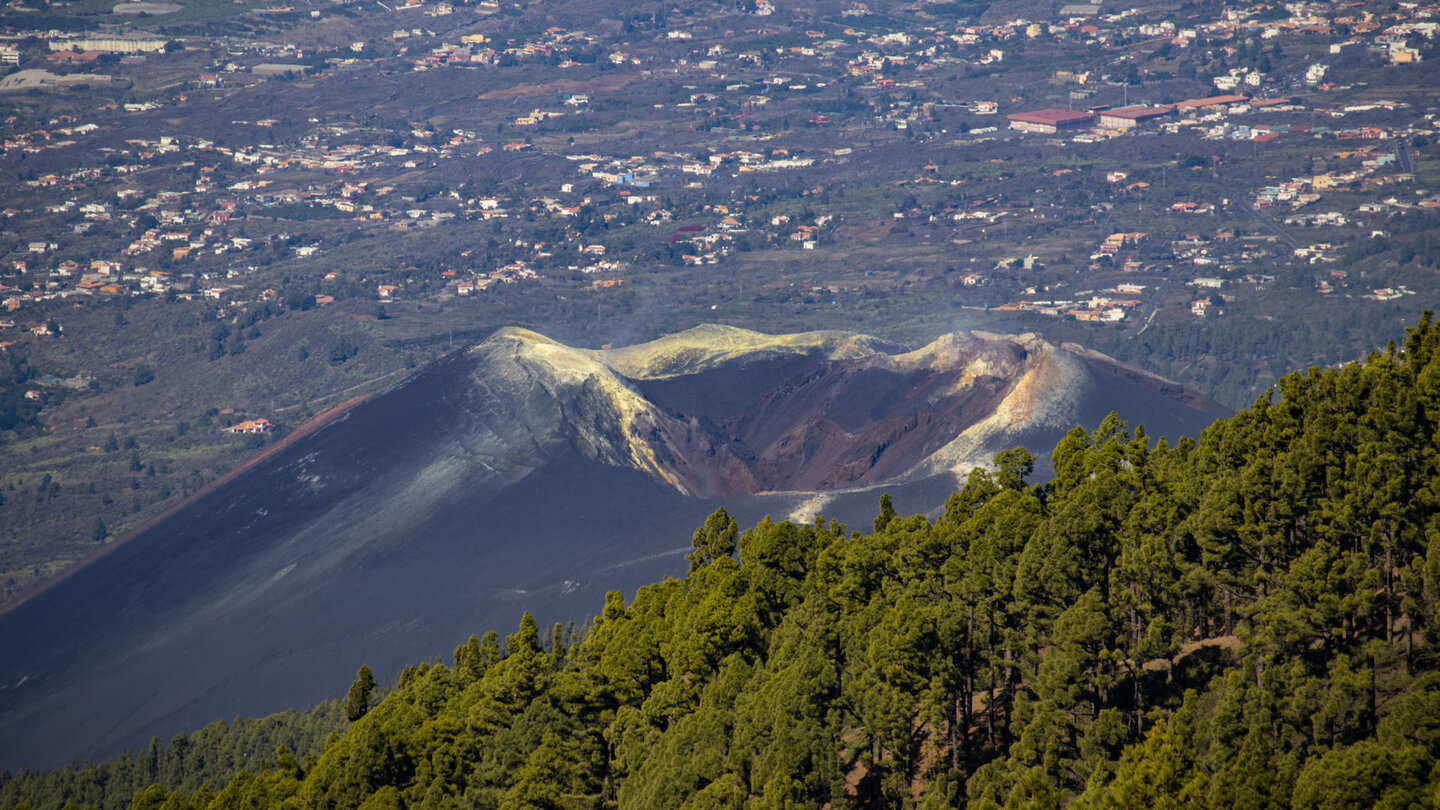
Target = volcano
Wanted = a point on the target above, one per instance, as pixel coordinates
(519, 474)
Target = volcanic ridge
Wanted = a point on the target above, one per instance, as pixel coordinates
(718, 411)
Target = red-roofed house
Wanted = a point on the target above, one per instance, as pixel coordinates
(249, 426)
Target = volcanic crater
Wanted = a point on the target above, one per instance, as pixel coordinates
(719, 411)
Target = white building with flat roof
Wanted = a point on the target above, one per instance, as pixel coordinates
(109, 45)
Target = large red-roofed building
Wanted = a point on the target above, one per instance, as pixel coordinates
(1127, 117)
(1050, 121)
(1213, 101)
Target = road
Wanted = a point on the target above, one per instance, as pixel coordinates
(1138, 324)
(1402, 156)
(1269, 224)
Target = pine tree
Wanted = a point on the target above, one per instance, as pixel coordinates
(716, 539)
(887, 513)
(357, 700)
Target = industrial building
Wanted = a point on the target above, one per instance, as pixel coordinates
(1212, 101)
(1050, 121)
(1130, 117)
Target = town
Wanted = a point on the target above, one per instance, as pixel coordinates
(308, 200)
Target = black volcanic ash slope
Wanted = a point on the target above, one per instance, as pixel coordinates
(520, 474)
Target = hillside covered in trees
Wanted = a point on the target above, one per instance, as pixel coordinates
(1246, 620)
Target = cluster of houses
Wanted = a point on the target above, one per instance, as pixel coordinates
(644, 171)
(1096, 306)
(39, 140)
(1370, 169)
(1200, 113)
(479, 49)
